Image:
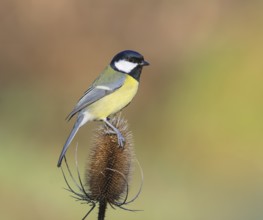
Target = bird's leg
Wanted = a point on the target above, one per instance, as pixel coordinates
(109, 131)
(121, 139)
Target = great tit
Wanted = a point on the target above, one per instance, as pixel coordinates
(109, 93)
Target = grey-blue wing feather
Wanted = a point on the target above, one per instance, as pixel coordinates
(97, 91)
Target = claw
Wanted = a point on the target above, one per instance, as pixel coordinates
(121, 139)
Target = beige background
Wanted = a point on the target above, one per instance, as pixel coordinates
(197, 119)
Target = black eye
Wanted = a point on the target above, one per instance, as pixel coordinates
(132, 59)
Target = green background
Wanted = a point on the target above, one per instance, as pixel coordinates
(197, 118)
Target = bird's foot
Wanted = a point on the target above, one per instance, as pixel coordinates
(121, 139)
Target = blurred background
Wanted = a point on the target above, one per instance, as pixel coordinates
(197, 118)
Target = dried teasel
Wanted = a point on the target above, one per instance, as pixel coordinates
(108, 172)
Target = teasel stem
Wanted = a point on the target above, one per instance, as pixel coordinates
(102, 209)
(108, 172)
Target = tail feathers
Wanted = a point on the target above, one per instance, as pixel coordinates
(69, 140)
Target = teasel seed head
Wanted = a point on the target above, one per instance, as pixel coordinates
(110, 165)
(108, 172)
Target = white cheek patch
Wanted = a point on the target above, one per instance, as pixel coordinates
(125, 66)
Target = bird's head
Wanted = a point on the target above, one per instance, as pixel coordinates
(127, 61)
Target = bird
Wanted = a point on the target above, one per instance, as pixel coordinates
(112, 91)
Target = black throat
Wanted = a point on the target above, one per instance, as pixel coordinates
(136, 73)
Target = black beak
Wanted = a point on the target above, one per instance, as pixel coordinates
(144, 63)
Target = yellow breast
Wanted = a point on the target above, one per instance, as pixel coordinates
(115, 101)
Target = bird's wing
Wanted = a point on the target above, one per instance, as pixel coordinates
(104, 85)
